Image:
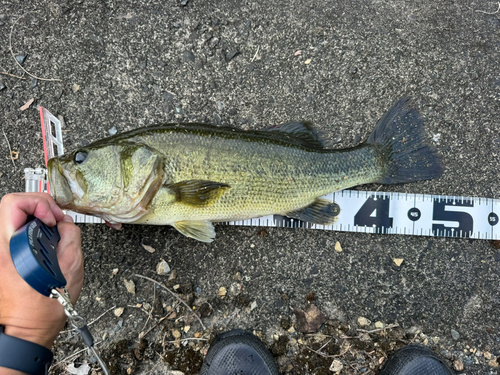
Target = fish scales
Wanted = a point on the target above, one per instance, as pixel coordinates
(264, 177)
(190, 175)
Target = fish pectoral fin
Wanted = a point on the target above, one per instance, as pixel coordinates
(199, 230)
(198, 193)
(303, 132)
(321, 211)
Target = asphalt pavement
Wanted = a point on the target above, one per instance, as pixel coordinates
(252, 64)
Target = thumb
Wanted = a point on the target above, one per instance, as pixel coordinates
(70, 257)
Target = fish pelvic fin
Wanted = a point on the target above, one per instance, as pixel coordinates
(403, 147)
(197, 193)
(321, 211)
(199, 230)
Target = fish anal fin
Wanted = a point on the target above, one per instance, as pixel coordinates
(303, 132)
(198, 193)
(321, 211)
(199, 230)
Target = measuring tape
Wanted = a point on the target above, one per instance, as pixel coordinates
(360, 211)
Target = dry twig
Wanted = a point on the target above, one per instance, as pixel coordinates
(150, 314)
(10, 150)
(378, 329)
(74, 354)
(175, 295)
(491, 13)
(187, 338)
(14, 56)
(12, 75)
(93, 321)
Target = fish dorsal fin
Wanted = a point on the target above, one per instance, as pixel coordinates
(199, 230)
(198, 193)
(302, 132)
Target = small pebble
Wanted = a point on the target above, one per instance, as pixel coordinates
(338, 248)
(455, 334)
(21, 58)
(177, 334)
(75, 87)
(118, 326)
(2, 86)
(231, 55)
(162, 268)
(188, 56)
(379, 325)
(112, 131)
(307, 62)
(186, 329)
(119, 311)
(235, 289)
(173, 275)
(253, 305)
(222, 292)
(220, 105)
(493, 363)
(362, 321)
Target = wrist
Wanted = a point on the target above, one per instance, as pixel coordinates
(35, 358)
(39, 336)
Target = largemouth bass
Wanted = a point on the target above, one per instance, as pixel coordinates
(190, 175)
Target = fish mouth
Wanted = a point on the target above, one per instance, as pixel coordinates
(59, 185)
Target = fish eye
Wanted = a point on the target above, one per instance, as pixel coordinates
(80, 157)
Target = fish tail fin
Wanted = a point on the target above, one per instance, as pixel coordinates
(400, 139)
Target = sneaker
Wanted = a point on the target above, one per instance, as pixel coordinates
(238, 353)
(415, 359)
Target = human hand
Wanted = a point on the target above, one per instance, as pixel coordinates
(24, 312)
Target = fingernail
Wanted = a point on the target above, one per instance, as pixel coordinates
(67, 219)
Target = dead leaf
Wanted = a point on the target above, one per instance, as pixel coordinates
(84, 369)
(338, 248)
(27, 105)
(336, 366)
(148, 248)
(130, 285)
(309, 320)
(398, 261)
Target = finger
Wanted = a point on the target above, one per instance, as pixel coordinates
(70, 257)
(16, 207)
